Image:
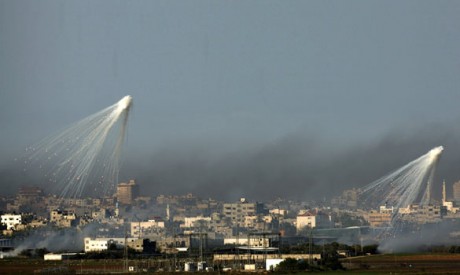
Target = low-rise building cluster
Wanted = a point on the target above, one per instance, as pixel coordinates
(175, 221)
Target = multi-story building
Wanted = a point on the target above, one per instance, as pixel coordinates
(237, 212)
(456, 189)
(11, 220)
(146, 227)
(423, 214)
(101, 244)
(197, 221)
(348, 199)
(252, 221)
(63, 218)
(220, 224)
(378, 219)
(29, 194)
(313, 219)
(99, 214)
(127, 192)
(255, 241)
(277, 211)
(28, 199)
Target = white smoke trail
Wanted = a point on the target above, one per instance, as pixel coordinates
(405, 185)
(84, 154)
(410, 184)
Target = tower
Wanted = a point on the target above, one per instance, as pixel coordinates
(117, 210)
(167, 213)
(444, 192)
(428, 192)
(127, 192)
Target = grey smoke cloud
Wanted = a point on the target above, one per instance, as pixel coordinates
(296, 166)
(428, 235)
(63, 240)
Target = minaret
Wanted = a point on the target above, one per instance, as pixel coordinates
(117, 211)
(444, 192)
(167, 212)
(428, 192)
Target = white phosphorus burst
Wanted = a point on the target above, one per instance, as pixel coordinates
(406, 186)
(85, 157)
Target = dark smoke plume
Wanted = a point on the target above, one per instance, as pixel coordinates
(298, 166)
(295, 167)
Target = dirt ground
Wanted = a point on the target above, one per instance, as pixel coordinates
(405, 264)
(377, 264)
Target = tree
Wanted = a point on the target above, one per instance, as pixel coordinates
(292, 265)
(112, 247)
(371, 249)
(330, 257)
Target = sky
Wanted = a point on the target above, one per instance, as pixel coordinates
(258, 99)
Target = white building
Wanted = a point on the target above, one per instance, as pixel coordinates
(101, 244)
(59, 257)
(52, 257)
(141, 228)
(313, 220)
(271, 264)
(10, 220)
(277, 211)
(450, 206)
(254, 241)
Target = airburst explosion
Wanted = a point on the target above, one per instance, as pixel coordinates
(408, 185)
(84, 157)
